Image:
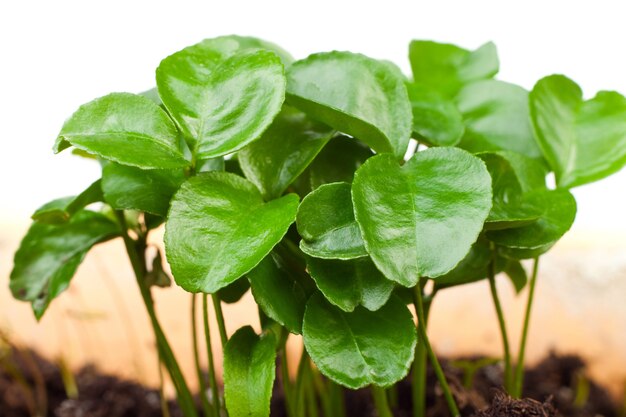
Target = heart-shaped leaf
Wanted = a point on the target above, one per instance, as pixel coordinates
(124, 128)
(49, 255)
(286, 148)
(249, 372)
(348, 284)
(496, 118)
(421, 219)
(219, 228)
(363, 347)
(222, 96)
(326, 223)
(583, 141)
(62, 209)
(354, 94)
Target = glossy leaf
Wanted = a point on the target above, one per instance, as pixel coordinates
(496, 118)
(436, 120)
(249, 372)
(421, 219)
(474, 267)
(223, 96)
(356, 95)
(219, 228)
(326, 223)
(348, 284)
(286, 148)
(279, 294)
(49, 255)
(583, 141)
(233, 292)
(124, 128)
(62, 209)
(130, 188)
(446, 68)
(363, 347)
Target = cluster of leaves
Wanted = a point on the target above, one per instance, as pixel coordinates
(301, 180)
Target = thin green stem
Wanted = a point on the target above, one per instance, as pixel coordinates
(421, 328)
(508, 381)
(165, 410)
(380, 402)
(418, 386)
(286, 382)
(519, 369)
(219, 315)
(207, 335)
(196, 358)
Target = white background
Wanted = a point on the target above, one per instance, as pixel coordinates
(56, 55)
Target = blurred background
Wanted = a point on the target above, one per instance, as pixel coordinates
(56, 55)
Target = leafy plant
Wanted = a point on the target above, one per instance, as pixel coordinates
(299, 180)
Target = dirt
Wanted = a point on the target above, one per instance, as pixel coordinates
(29, 384)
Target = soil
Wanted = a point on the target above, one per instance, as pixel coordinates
(555, 387)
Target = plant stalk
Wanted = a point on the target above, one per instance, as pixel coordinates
(206, 409)
(508, 380)
(380, 402)
(215, 393)
(418, 385)
(219, 315)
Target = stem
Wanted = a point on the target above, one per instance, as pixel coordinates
(219, 315)
(508, 385)
(207, 334)
(418, 387)
(287, 389)
(196, 358)
(165, 411)
(421, 328)
(136, 257)
(519, 369)
(380, 401)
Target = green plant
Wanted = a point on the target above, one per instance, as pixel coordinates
(300, 181)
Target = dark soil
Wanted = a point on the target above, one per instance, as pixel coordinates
(557, 383)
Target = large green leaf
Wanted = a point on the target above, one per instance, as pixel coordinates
(446, 68)
(249, 372)
(219, 228)
(222, 95)
(286, 148)
(279, 294)
(348, 284)
(363, 347)
(326, 223)
(60, 210)
(124, 128)
(356, 95)
(583, 141)
(49, 255)
(130, 188)
(421, 219)
(496, 118)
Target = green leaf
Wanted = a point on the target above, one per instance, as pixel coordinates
(49, 255)
(436, 120)
(422, 218)
(219, 228)
(249, 372)
(234, 291)
(157, 275)
(446, 68)
(516, 273)
(496, 118)
(279, 294)
(363, 347)
(286, 148)
(130, 188)
(474, 267)
(536, 238)
(348, 284)
(356, 95)
(124, 128)
(326, 223)
(62, 209)
(583, 141)
(222, 95)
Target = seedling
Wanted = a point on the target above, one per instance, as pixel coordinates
(292, 178)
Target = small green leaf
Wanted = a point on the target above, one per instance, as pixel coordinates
(363, 347)
(222, 95)
(516, 273)
(583, 141)
(49, 255)
(60, 210)
(124, 128)
(422, 218)
(249, 372)
(446, 68)
(496, 118)
(130, 188)
(233, 292)
(354, 94)
(348, 284)
(278, 292)
(286, 148)
(219, 228)
(157, 276)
